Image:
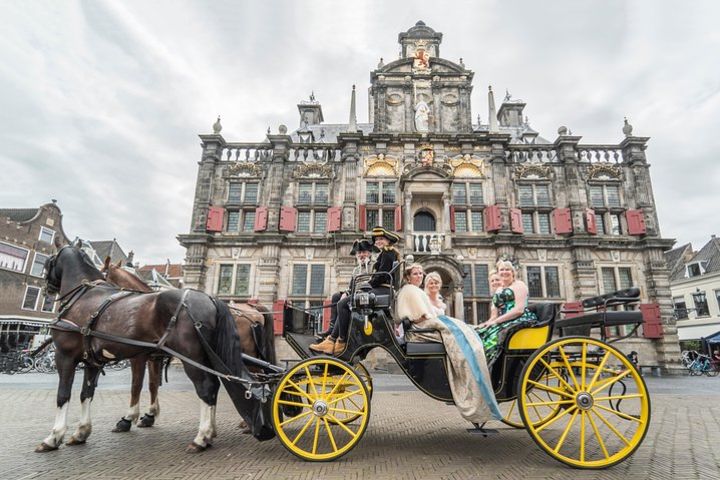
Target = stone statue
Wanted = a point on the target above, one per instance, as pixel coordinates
(422, 117)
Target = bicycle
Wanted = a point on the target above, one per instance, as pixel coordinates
(703, 365)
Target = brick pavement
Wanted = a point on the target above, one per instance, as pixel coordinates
(410, 436)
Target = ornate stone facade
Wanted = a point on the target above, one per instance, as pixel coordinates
(275, 220)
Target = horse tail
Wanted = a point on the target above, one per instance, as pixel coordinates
(268, 334)
(226, 340)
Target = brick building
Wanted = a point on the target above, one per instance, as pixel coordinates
(274, 220)
(27, 237)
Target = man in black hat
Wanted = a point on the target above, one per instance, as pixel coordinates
(362, 249)
(382, 285)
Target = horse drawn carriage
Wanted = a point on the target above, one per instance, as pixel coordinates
(580, 399)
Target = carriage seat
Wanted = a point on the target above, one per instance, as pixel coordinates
(421, 348)
(536, 335)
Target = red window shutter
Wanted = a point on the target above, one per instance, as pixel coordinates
(590, 225)
(334, 219)
(636, 222)
(261, 218)
(278, 316)
(652, 320)
(362, 220)
(563, 221)
(326, 313)
(452, 218)
(572, 309)
(398, 218)
(492, 218)
(516, 225)
(215, 219)
(288, 219)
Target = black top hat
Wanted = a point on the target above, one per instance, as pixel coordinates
(381, 232)
(363, 245)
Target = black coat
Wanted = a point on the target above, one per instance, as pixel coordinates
(384, 263)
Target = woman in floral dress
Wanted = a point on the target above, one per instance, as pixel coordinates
(511, 302)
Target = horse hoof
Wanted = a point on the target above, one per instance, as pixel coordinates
(195, 448)
(146, 421)
(122, 426)
(74, 441)
(44, 447)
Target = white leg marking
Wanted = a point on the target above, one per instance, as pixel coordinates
(58, 432)
(85, 426)
(213, 424)
(205, 428)
(133, 413)
(155, 408)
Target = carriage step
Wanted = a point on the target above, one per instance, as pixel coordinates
(480, 430)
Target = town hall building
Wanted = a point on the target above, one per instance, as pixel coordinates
(274, 220)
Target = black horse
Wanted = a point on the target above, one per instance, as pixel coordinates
(100, 323)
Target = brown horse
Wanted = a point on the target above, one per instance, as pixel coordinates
(98, 323)
(248, 319)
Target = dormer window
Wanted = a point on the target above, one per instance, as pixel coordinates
(694, 269)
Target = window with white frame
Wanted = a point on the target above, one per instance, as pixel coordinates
(380, 217)
(48, 304)
(31, 298)
(536, 222)
(694, 269)
(534, 200)
(243, 193)
(240, 221)
(308, 280)
(312, 221)
(608, 223)
(38, 265)
(12, 257)
(616, 278)
(313, 193)
(380, 192)
(543, 281)
(468, 193)
(680, 308)
(234, 279)
(534, 195)
(468, 220)
(476, 293)
(46, 235)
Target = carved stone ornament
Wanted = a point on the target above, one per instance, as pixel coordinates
(421, 59)
(313, 170)
(380, 166)
(245, 169)
(604, 171)
(468, 166)
(533, 171)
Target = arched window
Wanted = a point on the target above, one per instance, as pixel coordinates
(424, 222)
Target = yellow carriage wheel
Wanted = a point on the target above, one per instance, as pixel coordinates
(333, 414)
(603, 401)
(346, 405)
(539, 414)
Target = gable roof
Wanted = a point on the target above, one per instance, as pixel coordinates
(108, 248)
(18, 214)
(709, 255)
(674, 259)
(174, 270)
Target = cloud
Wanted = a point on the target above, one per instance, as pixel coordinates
(102, 101)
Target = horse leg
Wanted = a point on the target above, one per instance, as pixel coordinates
(66, 373)
(87, 393)
(137, 367)
(154, 377)
(206, 387)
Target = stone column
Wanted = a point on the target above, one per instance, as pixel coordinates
(408, 221)
(446, 221)
(458, 300)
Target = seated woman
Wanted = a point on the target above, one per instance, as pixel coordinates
(433, 284)
(511, 304)
(468, 373)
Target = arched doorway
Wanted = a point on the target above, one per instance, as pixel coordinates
(424, 221)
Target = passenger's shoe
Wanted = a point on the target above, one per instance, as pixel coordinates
(339, 348)
(327, 346)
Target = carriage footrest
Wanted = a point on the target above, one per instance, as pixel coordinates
(424, 348)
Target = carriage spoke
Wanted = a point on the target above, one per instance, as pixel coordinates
(332, 392)
(310, 380)
(565, 432)
(619, 397)
(583, 362)
(296, 417)
(582, 436)
(330, 435)
(567, 365)
(293, 404)
(552, 402)
(552, 370)
(620, 414)
(349, 412)
(610, 381)
(325, 377)
(302, 431)
(317, 433)
(542, 386)
(343, 397)
(598, 436)
(598, 370)
(339, 423)
(556, 418)
(299, 390)
(612, 427)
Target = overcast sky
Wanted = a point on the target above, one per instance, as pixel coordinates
(101, 102)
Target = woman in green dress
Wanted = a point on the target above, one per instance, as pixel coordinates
(510, 302)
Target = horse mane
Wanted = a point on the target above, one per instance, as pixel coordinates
(124, 278)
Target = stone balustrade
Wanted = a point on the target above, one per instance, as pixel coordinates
(427, 242)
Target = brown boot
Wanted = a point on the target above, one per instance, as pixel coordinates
(327, 346)
(339, 348)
